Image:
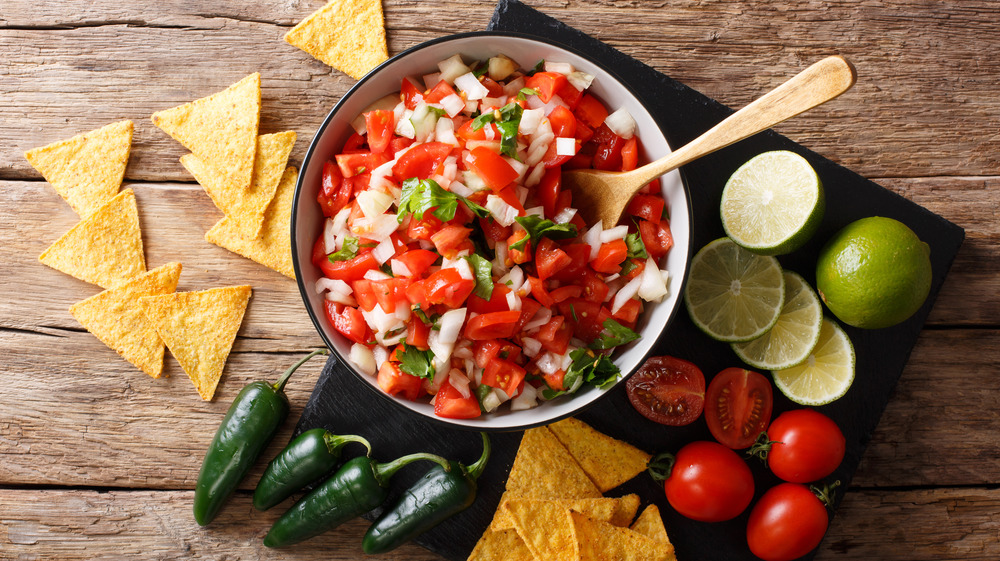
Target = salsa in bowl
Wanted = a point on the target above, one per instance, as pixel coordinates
(439, 256)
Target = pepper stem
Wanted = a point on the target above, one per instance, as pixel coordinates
(660, 466)
(280, 384)
(476, 469)
(384, 471)
(335, 442)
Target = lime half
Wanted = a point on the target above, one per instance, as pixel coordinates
(732, 294)
(794, 335)
(826, 375)
(773, 203)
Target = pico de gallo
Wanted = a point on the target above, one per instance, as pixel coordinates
(454, 260)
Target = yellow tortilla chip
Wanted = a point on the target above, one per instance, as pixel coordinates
(116, 317)
(348, 35)
(199, 328)
(650, 524)
(220, 129)
(103, 249)
(546, 528)
(273, 247)
(600, 541)
(505, 545)
(615, 510)
(86, 170)
(608, 462)
(245, 209)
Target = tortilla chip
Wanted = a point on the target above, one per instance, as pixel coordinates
(246, 208)
(199, 328)
(348, 35)
(600, 541)
(615, 510)
(220, 129)
(546, 528)
(650, 524)
(505, 545)
(86, 170)
(116, 317)
(103, 249)
(608, 462)
(273, 247)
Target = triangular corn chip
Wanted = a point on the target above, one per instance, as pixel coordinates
(103, 249)
(245, 208)
(116, 317)
(504, 545)
(199, 328)
(600, 541)
(86, 170)
(607, 461)
(348, 35)
(220, 129)
(614, 510)
(650, 524)
(273, 247)
(546, 528)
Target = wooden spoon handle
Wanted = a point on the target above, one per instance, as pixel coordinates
(814, 86)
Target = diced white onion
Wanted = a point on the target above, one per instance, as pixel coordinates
(519, 167)
(502, 212)
(626, 293)
(392, 340)
(593, 237)
(376, 229)
(491, 401)
(613, 277)
(530, 119)
(464, 269)
(380, 354)
(384, 251)
(374, 203)
(459, 382)
(500, 263)
(514, 278)
(460, 189)
(452, 68)
(329, 236)
(535, 176)
(464, 350)
(404, 126)
(566, 360)
(580, 80)
(538, 147)
(431, 80)
(621, 123)
(444, 131)
(556, 101)
(565, 215)
(363, 358)
(531, 347)
(559, 67)
(513, 87)
(335, 291)
(565, 146)
(548, 363)
(399, 269)
(653, 288)
(535, 210)
(492, 145)
(473, 181)
(374, 274)
(378, 181)
(488, 104)
(500, 67)
(612, 234)
(469, 84)
(542, 316)
(451, 325)
(513, 301)
(527, 399)
(452, 104)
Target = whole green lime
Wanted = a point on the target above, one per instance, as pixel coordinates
(874, 273)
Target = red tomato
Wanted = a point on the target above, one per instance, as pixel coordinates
(546, 84)
(448, 287)
(364, 294)
(350, 270)
(563, 122)
(358, 163)
(549, 259)
(628, 313)
(417, 333)
(487, 351)
(610, 256)
(417, 260)
(656, 237)
(468, 131)
(668, 390)
(494, 325)
(647, 207)
(630, 154)
(787, 522)
(440, 91)
(555, 335)
(570, 94)
(805, 446)
(548, 190)
(411, 93)
(579, 254)
(451, 240)
(591, 111)
(491, 167)
(349, 323)
(496, 303)
(380, 125)
(709, 482)
(421, 160)
(394, 381)
(738, 407)
(504, 375)
(449, 403)
(335, 193)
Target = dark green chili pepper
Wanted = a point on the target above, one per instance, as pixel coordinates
(249, 425)
(436, 496)
(360, 485)
(308, 458)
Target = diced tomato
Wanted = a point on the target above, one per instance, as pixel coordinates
(504, 375)
(528, 310)
(417, 333)
(551, 159)
(639, 267)
(629, 312)
(610, 256)
(417, 260)
(380, 125)
(334, 192)
(657, 238)
(421, 161)
(584, 132)
(416, 293)
(485, 351)
(354, 143)
(440, 91)
(452, 239)
(359, 162)
(565, 201)
(522, 255)
(364, 294)
(494, 89)
(496, 303)
(394, 381)
(467, 131)
(350, 270)
(647, 207)
(564, 293)
(570, 94)
(411, 93)
(555, 380)
(609, 149)
(594, 289)
(389, 293)
(555, 335)
(494, 325)
(591, 111)
(447, 287)
(510, 197)
(550, 259)
(548, 190)
(579, 254)
(397, 144)
(494, 230)
(588, 318)
(349, 322)
(546, 84)
(630, 154)
(424, 228)
(563, 122)
(319, 251)
(491, 167)
(539, 292)
(450, 404)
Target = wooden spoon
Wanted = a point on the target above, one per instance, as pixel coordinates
(604, 195)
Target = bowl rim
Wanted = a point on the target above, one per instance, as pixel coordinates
(303, 290)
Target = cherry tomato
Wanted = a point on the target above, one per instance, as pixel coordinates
(739, 407)
(668, 390)
(806, 446)
(787, 522)
(708, 482)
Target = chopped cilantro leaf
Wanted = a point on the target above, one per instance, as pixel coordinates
(481, 70)
(525, 92)
(421, 315)
(587, 368)
(507, 124)
(482, 268)
(347, 252)
(415, 362)
(421, 195)
(635, 246)
(538, 66)
(538, 228)
(572, 312)
(440, 112)
(612, 335)
(387, 269)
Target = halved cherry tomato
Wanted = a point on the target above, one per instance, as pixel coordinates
(804, 446)
(667, 390)
(394, 381)
(738, 407)
(494, 325)
(709, 482)
(787, 522)
(449, 403)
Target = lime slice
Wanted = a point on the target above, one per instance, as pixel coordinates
(826, 375)
(773, 203)
(795, 334)
(732, 294)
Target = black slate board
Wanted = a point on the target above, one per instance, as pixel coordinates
(343, 404)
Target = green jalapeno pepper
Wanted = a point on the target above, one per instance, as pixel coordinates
(249, 425)
(360, 485)
(436, 496)
(309, 457)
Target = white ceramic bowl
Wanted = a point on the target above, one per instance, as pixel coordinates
(307, 219)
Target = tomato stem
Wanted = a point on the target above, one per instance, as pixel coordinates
(660, 466)
(825, 493)
(762, 446)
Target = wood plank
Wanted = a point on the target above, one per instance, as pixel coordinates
(77, 525)
(926, 81)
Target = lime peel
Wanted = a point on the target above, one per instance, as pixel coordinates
(827, 373)
(794, 335)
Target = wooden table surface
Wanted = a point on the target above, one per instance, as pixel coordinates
(97, 460)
